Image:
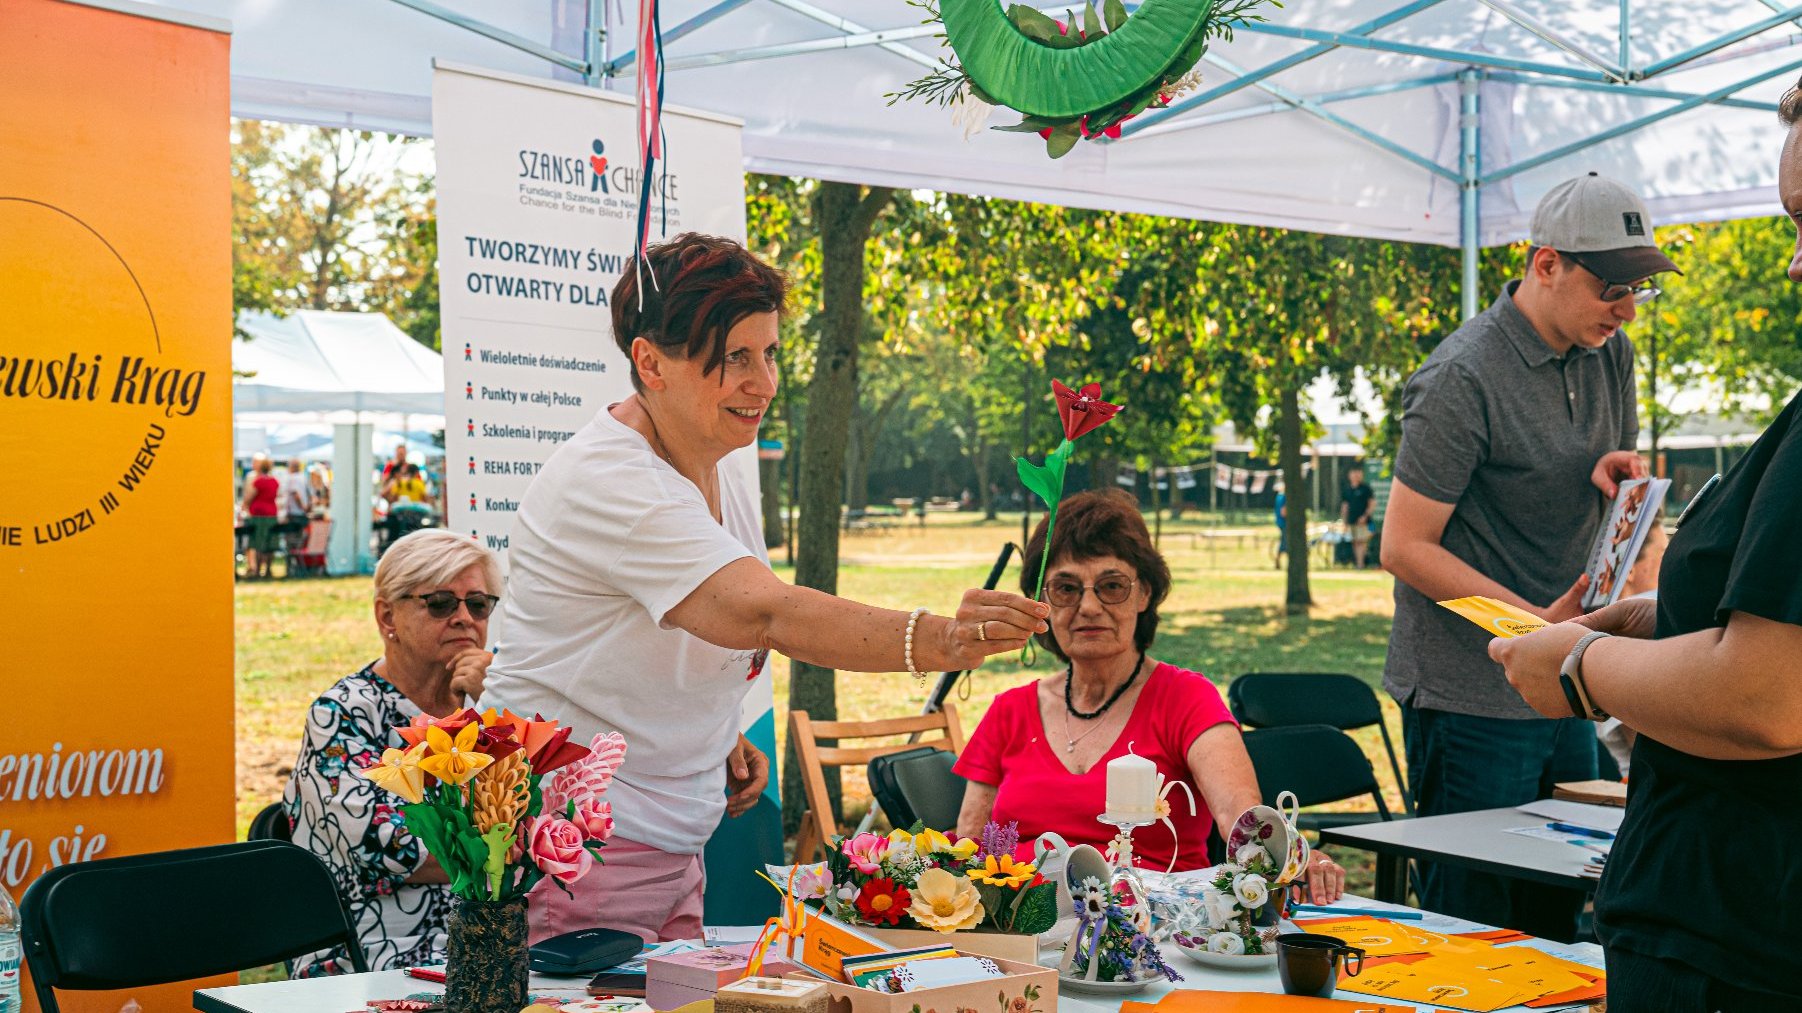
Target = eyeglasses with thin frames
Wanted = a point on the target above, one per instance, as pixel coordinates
(443, 604)
(1614, 291)
(1111, 590)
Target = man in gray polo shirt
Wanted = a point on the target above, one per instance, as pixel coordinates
(1514, 434)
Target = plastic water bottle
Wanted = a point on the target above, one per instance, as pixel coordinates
(10, 954)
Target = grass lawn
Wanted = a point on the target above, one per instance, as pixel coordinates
(1224, 617)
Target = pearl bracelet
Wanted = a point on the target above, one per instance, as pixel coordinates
(907, 645)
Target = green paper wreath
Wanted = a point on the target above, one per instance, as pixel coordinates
(1068, 81)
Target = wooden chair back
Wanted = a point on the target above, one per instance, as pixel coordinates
(818, 825)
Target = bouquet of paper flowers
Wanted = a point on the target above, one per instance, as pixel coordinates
(1235, 904)
(478, 798)
(922, 879)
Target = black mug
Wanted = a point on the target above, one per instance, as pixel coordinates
(1309, 963)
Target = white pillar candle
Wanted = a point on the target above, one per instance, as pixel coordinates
(1132, 787)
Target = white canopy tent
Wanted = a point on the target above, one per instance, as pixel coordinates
(1438, 121)
(348, 370)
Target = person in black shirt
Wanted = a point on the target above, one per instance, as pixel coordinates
(1354, 512)
(1701, 905)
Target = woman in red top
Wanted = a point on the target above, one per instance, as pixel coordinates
(261, 492)
(1040, 755)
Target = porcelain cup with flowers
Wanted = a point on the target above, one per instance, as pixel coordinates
(1275, 832)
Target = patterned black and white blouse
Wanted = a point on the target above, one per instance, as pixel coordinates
(355, 829)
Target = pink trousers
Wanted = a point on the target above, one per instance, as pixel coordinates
(639, 889)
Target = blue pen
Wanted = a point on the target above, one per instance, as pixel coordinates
(1405, 916)
(1571, 828)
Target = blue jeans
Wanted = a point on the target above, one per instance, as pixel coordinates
(1461, 763)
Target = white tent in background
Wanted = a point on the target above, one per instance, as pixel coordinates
(347, 369)
(314, 361)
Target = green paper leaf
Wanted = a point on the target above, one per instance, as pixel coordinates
(1062, 139)
(1046, 480)
(1032, 125)
(1037, 911)
(1032, 24)
(1091, 23)
(1115, 13)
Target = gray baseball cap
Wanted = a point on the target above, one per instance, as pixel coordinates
(1605, 224)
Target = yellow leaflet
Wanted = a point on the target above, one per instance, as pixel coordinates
(1499, 618)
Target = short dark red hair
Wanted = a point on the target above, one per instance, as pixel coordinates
(1098, 523)
(697, 289)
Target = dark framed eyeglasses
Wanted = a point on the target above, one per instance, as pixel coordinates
(1614, 291)
(1066, 593)
(443, 604)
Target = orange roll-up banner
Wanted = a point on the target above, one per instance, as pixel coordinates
(115, 446)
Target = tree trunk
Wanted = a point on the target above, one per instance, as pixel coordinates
(1104, 472)
(843, 215)
(1295, 509)
(985, 484)
(857, 469)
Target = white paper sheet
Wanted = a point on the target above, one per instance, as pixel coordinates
(1595, 817)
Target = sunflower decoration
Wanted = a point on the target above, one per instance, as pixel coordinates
(1071, 79)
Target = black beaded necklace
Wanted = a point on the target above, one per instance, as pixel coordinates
(1070, 703)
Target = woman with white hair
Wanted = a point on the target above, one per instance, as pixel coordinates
(434, 592)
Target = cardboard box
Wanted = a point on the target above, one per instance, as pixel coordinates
(682, 978)
(1036, 986)
(1012, 946)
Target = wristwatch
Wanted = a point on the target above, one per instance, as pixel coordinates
(1570, 677)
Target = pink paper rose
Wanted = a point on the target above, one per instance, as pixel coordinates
(865, 852)
(555, 845)
(596, 820)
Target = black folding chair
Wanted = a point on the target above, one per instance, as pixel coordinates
(917, 785)
(1282, 699)
(739, 849)
(85, 924)
(1322, 764)
(271, 824)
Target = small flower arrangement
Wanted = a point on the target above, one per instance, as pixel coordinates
(1116, 933)
(1233, 902)
(921, 878)
(478, 798)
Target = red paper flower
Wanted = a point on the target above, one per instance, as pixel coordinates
(1082, 410)
(881, 902)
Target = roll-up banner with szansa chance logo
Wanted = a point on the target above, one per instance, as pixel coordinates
(115, 443)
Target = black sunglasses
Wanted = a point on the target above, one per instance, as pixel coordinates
(443, 604)
(1110, 591)
(1614, 291)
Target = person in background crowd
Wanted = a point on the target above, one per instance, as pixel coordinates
(297, 493)
(1515, 433)
(1354, 513)
(319, 481)
(261, 501)
(397, 463)
(434, 592)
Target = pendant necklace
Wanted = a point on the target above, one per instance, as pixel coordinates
(1070, 704)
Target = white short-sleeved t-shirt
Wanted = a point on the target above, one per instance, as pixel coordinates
(607, 540)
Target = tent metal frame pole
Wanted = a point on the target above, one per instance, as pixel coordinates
(614, 65)
(1275, 67)
(500, 35)
(1470, 138)
(1543, 31)
(594, 44)
(1722, 42)
(1630, 90)
(1314, 108)
(1427, 52)
(1644, 121)
(1626, 56)
(1250, 112)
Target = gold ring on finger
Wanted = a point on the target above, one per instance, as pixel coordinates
(982, 630)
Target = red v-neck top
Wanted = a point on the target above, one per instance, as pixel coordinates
(1010, 750)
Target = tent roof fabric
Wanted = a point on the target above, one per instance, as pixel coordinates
(1357, 134)
(316, 361)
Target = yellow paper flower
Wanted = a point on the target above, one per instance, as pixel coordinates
(945, 903)
(454, 761)
(930, 842)
(399, 772)
(1003, 871)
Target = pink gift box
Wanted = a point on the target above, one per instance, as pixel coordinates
(682, 978)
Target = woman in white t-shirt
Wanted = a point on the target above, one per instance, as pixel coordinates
(641, 600)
